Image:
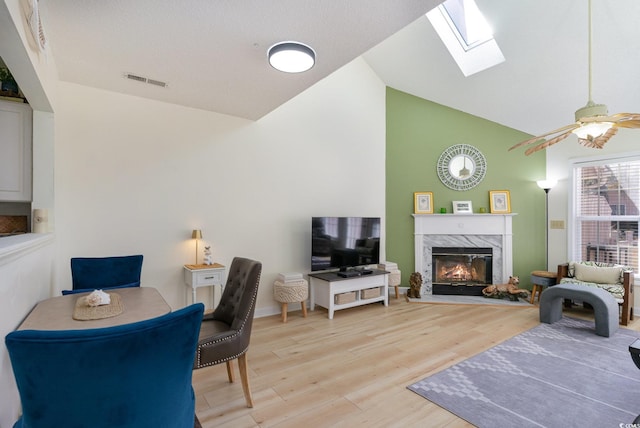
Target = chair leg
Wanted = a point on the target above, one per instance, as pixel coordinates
(230, 371)
(284, 312)
(397, 287)
(244, 375)
(304, 308)
(534, 290)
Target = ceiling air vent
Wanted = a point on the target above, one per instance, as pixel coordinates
(141, 79)
(157, 83)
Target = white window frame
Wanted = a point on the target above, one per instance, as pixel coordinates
(573, 236)
(470, 59)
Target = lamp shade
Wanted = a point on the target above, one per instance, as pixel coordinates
(196, 234)
(291, 57)
(546, 184)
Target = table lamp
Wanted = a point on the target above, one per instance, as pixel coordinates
(197, 235)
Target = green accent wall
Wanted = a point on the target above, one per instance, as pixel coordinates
(418, 131)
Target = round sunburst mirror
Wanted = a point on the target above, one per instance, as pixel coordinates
(461, 167)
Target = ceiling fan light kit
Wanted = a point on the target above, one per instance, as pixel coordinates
(593, 126)
(591, 131)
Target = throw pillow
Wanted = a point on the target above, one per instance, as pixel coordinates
(600, 275)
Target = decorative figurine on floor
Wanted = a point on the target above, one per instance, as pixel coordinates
(415, 284)
(509, 290)
(208, 258)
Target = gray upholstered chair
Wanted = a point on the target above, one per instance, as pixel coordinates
(225, 333)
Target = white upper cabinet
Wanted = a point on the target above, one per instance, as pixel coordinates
(15, 151)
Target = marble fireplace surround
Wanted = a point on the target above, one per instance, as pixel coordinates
(464, 230)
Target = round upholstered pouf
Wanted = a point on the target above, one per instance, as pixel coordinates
(394, 280)
(291, 292)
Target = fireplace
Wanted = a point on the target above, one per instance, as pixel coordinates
(465, 231)
(461, 270)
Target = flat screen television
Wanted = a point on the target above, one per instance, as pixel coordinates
(344, 242)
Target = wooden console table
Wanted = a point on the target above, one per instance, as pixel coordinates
(325, 287)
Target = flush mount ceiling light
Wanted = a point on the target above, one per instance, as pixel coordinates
(291, 57)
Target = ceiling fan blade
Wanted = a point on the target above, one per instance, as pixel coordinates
(622, 117)
(547, 143)
(599, 142)
(628, 124)
(570, 127)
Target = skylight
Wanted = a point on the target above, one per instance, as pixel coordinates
(466, 34)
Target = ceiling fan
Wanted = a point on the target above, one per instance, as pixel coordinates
(593, 126)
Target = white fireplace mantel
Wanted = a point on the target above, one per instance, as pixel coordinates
(465, 230)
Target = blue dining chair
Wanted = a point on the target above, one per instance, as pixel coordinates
(132, 375)
(104, 273)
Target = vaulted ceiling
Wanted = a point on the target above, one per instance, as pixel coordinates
(212, 54)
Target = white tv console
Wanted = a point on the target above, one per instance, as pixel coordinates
(325, 286)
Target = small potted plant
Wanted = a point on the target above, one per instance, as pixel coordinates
(8, 82)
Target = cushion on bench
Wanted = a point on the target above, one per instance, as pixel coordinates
(607, 276)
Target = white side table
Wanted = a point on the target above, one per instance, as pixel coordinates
(205, 276)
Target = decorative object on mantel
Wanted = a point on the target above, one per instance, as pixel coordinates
(509, 290)
(423, 202)
(500, 201)
(462, 207)
(40, 220)
(415, 284)
(461, 167)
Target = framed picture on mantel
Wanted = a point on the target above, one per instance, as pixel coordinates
(423, 202)
(500, 201)
(462, 207)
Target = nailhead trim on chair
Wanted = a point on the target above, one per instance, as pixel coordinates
(200, 365)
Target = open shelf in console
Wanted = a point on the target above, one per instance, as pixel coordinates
(327, 287)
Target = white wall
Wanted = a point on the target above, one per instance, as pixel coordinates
(26, 271)
(136, 176)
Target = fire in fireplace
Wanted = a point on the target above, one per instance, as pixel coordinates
(460, 270)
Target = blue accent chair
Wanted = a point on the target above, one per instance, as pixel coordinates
(104, 273)
(132, 375)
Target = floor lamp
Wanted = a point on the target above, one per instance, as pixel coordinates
(546, 185)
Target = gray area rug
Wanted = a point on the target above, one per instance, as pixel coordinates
(554, 375)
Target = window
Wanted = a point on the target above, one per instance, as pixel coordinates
(466, 34)
(605, 207)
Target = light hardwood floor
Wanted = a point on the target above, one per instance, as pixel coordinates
(353, 370)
